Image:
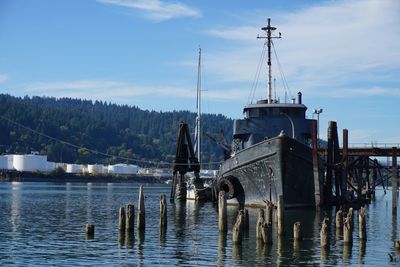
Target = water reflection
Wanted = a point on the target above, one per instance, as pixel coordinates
(347, 251)
(192, 236)
(361, 252)
(222, 236)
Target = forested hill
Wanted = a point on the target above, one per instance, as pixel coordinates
(84, 126)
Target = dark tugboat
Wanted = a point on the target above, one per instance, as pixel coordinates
(270, 154)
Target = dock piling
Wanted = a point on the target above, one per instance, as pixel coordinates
(237, 231)
(280, 215)
(339, 219)
(266, 232)
(347, 232)
(222, 212)
(324, 234)
(297, 231)
(163, 211)
(362, 232)
(141, 211)
(89, 230)
(122, 219)
(260, 223)
(130, 217)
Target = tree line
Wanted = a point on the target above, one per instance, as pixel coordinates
(87, 132)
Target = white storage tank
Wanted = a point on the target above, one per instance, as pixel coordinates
(10, 162)
(123, 169)
(50, 166)
(30, 163)
(96, 168)
(3, 163)
(74, 168)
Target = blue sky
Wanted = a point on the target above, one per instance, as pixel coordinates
(343, 55)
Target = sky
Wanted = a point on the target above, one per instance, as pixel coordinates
(344, 56)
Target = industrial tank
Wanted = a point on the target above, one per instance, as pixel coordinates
(30, 163)
(3, 162)
(50, 166)
(74, 168)
(123, 169)
(95, 169)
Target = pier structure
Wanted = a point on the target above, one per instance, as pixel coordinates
(351, 174)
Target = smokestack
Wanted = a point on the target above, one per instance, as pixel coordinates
(299, 97)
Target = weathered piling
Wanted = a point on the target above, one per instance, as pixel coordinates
(339, 219)
(347, 232)
(141, 221)
(268, 213)
(280, 212)
(237, 231)
(266, 233)
(163, 211)
(314, 142)
(122, 219)
(89, 230)
(246, 220)
(350, 217)
(397, 244)
(222, 212)
(297, 231)
(394, 180)
(362, 229)
(324, 234)
(130, 218)
(260, 223)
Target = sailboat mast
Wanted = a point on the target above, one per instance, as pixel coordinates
(198, 106)
(269, 29)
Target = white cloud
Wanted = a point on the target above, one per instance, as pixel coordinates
(155, 9)
(114, 90)
(335, 44)
(3, 78)
(360, 92)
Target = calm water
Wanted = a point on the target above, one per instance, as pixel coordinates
(43, 224)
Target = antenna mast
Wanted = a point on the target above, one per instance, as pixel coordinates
(269, 29)
(198, 106)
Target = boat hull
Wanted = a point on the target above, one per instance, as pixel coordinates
(263, 172)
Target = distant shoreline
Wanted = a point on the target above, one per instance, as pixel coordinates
(15, 176)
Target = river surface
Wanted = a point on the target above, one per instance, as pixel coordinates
(43, 224)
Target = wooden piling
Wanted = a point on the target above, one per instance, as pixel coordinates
(237, 231)
(266, 233)
(222, 212)
(130, 217)
(345, 162)
(122, 219)
(397, 244)
(347, 232)
(329, 166)
(394, 180)
(89, 230)
(339, 219)
(362, 229)
(246, 220)
(163, 211)
(280, 215)
(324, 234)
(350, 217)
(297, 231)
(141, 211)
(260, 223)
(314, 142)
(268, 213)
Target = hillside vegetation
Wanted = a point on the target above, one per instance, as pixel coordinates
(82, 131)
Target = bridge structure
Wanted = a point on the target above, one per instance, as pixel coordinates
(350, 173)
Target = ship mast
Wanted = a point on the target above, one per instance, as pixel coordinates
(269, 29)
(197, 144)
